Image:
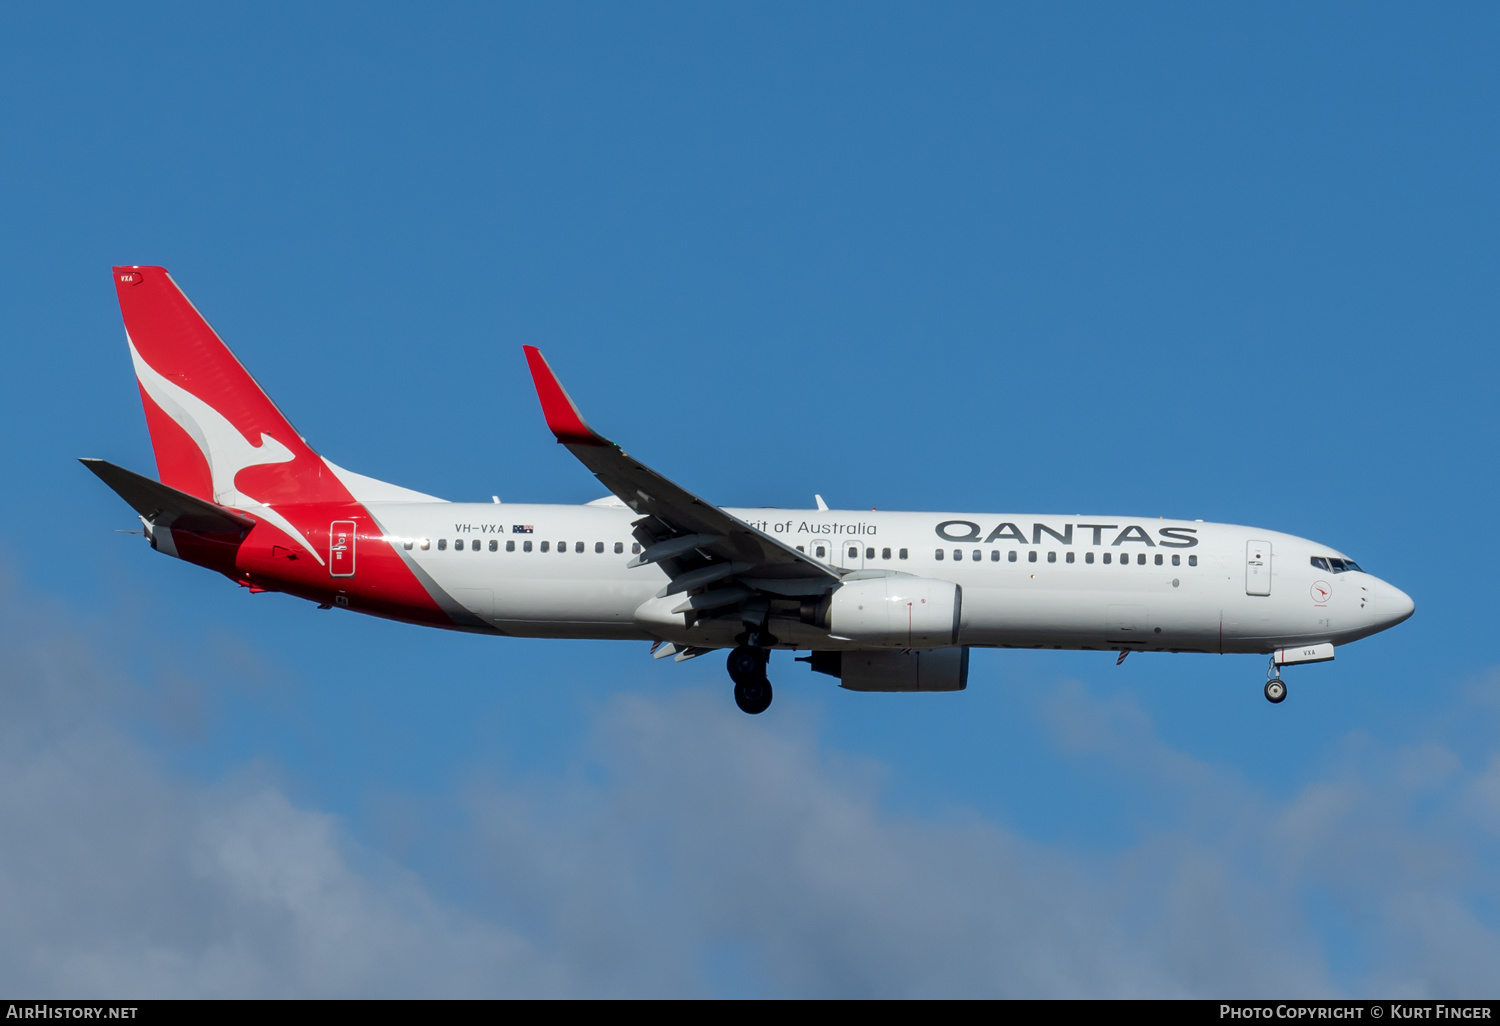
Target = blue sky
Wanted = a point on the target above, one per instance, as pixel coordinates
(1235, 263)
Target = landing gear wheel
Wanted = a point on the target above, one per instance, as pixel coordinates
(753, 696)
(747, 664)
(1275, 690)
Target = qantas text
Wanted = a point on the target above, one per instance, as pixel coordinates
(968, 531)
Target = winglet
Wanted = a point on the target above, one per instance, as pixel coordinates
(562, 415)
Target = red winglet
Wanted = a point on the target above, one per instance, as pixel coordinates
(562, 416)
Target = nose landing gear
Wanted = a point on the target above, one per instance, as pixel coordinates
(1275, 686)
(747, 668)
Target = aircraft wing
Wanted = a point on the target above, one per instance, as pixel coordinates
(164, 506)
(694, 540)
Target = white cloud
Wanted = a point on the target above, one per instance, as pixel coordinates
(692, 850)
(119, 878)
(715, 830)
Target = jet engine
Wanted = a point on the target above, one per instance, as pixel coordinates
(932, 669)
(896, 612)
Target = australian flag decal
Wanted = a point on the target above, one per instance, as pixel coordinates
(520, 528)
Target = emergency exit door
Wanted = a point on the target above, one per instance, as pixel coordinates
(850, 553)
(1257, 568)
(341, 548)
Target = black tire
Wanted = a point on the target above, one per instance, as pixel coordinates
(1275, 691)
(746, 664)
(753, 696)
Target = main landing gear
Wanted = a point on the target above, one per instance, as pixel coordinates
(747, 668)
(1275, 686)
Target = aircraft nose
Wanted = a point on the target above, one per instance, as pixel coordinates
(1392, 604)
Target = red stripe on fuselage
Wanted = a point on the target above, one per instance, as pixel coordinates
(382, 585)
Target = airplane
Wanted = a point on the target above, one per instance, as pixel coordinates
(882, 601)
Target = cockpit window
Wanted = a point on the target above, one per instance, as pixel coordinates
(1335, 565)
(1320, 562)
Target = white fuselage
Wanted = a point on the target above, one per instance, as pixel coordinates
(1072, 582)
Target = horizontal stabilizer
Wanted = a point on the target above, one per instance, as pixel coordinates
(164, 506)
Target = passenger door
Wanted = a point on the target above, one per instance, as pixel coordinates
(341, 535)
(851, 554)
(821, 549)
(1257, 567)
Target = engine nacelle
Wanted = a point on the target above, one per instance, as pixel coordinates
(897, 612)
(931, 669)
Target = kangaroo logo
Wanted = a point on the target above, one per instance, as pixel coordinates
(224, 447)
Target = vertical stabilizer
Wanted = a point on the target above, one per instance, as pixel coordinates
(215, 432)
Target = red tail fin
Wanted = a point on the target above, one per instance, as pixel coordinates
(216, 434)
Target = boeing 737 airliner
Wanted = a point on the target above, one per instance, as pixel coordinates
(882, 601)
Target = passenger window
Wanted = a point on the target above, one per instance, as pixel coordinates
(526, 545)
(958, 554)
(635, 548)
(822, 553)
(598, 547)
(801, 549)
(442, 544)
(619, 548)
(976, 555)
(938, 554)
(407, 544)
(1052, 557)
(562, 546)
(1140, 560)
(1012, 557)
(1192, 561)
(1070, 557)
(1158, 559)
(885, 553)
(902, 553)
(870, 554)
(1106, 558)
(546, 546)
(853, 552)
(510, 546)
(476, 545)
(494, 545)
(578, 546)
(1088, 557)
(1031, 556)
(1176, 559)
(994, 555)
(425, 543)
